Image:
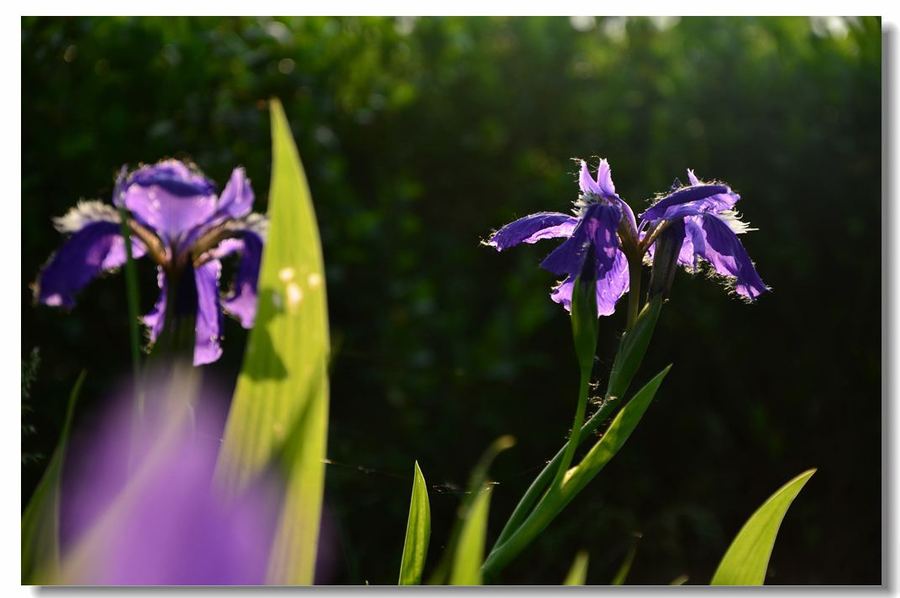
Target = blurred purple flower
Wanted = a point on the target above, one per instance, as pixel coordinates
(176, 218)
(145, 509)
(701, 216)
(592, 246)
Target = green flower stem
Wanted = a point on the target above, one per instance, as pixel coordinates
(634, 289)
(574, 436)
(131, 292)
(632, 348)
(542, 481)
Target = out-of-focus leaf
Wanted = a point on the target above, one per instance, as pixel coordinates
(746, 560)
(466, 570)
(280, 409)
(40, 522)
(477, 480)
(679, 581)
(578, 573)
(418, 532)
(622, 574)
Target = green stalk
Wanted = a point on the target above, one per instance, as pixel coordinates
(574, 437)
(131, 293)
(542, 481)
(632, 348)
(634, 290)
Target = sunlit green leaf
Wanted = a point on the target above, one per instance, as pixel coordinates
(40, 522)
(279, 414)
(625, 568)
(746, 560)
(556, 498)
(578, 573)
(632, 349)
(613, 439)
(477, 479)
(466, 569)
(418, 532)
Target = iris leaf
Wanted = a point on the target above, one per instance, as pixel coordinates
(279, 414)
(466, 570)
(578, 573)
(575, 479)
(418, 532)
(40, 522)
(477, 480)
(746, 560)
(625, 567)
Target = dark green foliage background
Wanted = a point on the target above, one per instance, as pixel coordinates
(418, 141)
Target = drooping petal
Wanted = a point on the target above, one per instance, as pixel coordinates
(155, 319)
(167, 197)
(241, 302)
(533, 228)
(610, 288)
(95, 246)
(207, 347)
(596, 227)
(613, 285)
(715, 242)
(690, 200)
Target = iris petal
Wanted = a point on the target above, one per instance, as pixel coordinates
(715, 242)
(241, 302)
(207, 348)
(691, 200)
(94, 247)
(533, 228)
(168, 198)
(610, 288)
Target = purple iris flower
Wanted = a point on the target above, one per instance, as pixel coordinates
(705, 226)
(592, 248)
(177, 219)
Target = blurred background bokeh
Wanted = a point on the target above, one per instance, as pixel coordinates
(420, 136)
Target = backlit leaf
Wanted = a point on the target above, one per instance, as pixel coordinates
(418, 532)
(279, 414)
(746, 560)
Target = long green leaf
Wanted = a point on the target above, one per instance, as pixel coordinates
(629, 356)
(40, 522)
(625, 568)
(477, 479)
(279, 414)
(578, 573)
(418, 532)
(466, 570)
(746, 560)
(576, 478)
(613, 439)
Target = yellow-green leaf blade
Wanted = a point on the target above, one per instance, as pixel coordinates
(40, 522)
(279, 414)
(578, 573)
(746, 560)
(418, 532)
(466, 570)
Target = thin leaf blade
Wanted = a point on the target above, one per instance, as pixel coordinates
(279, 414)
(578, 573)
(418, 532)
(40, 522)
(614, 438)
(747, 559)
(466, 569)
